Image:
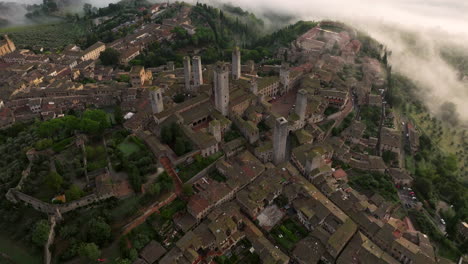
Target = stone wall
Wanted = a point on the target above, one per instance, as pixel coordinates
(50, 240)
(16, 196)
(204, 172)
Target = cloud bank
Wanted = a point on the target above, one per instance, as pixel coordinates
(432, 26)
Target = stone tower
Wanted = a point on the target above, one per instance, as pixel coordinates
(301, 104)
(280, 137)
(197, 71)
(254, 85)
(156, 99)
(313, 161)
(187, 74)
(6, 45)
(215, 129)
(284, 76)
(10, 43)
(236, 63)
(221, 88)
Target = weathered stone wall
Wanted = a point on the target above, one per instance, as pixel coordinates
(50, 240)
(15, 196)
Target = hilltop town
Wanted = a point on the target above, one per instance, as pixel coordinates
(300, 157)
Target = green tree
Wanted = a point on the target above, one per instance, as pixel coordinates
(166, 135)
(424, 186)
(122, 261)
(98, 116)
(40, 233)
(179, 147)
(109, 57)
(90, 126)
(43, 144)
(99, 231)
(155, 189)
(54, 180)
(87, 9)
(187, 189)
(90, 251)
(118, 115)
(74, 193)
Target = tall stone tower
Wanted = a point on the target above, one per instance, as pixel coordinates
(156, 99)
(280, 137)
(236, 63)
(197, 71)
(254, 85)
(221, 88)
(10, 43)
(284, 76)
(301, 104)
(215, 129)
(187, 74)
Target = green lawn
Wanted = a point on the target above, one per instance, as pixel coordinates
(187, 172)
(18, 253)
(128, 148)
(288, 233)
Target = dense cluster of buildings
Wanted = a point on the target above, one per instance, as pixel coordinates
(344, 225)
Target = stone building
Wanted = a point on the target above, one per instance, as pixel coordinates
(93, 52)
(6, 45)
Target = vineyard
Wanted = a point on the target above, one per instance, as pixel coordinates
(47, 35)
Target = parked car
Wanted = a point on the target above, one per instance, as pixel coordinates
(442, 221)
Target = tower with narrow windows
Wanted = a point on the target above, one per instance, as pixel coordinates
(156, 98)
(187, 74)
(284, 76)
(254, 85)
(280, 138)
(197, 71)
(301, 104)
(236, 63)
(221, 88)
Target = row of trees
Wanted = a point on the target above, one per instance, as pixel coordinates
(92, 122)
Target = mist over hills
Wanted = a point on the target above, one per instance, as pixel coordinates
(416, 31)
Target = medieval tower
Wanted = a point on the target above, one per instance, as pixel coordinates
(301, 104)
(236, 63)
(280, 138)
(221, 88)
(284, 76)
(187, 74)
(156, 99)
(197, 71)
(6, 46)
(254, 85)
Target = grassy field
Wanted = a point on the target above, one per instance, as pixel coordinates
(48, 35)
(288, 233)
(128, 148)
(18, 253)
(186, 172)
